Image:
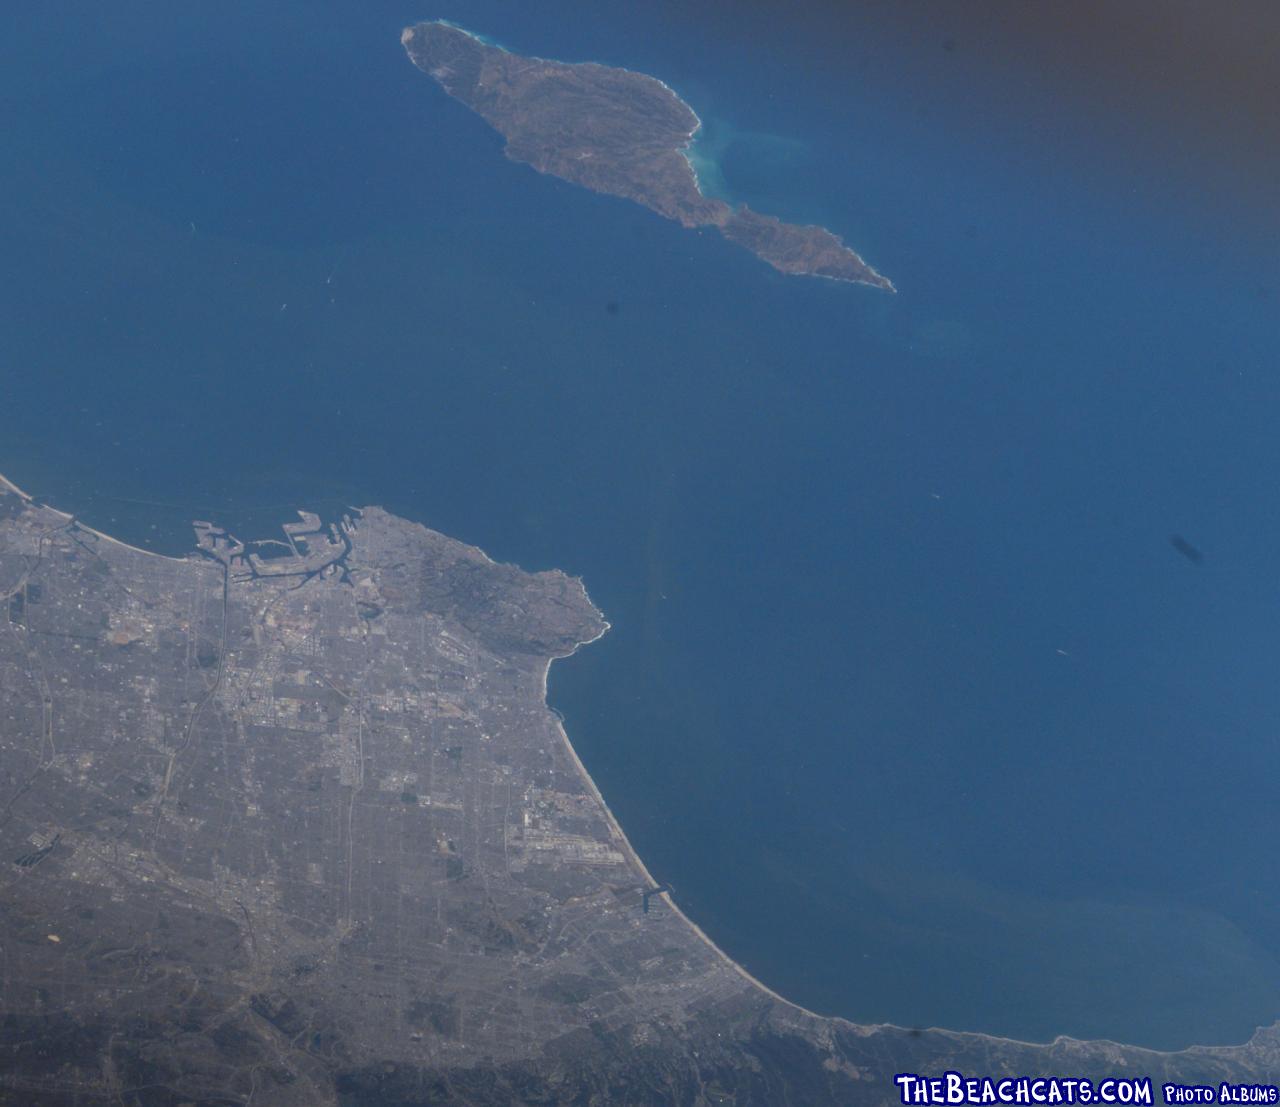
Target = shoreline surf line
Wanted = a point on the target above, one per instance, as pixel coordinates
(629, 851)
(7, 484)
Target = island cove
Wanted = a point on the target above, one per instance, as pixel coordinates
(617, 132)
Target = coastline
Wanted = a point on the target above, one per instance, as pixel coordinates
(634, 859)
(629, 851)
(624, 843)
(7, 485)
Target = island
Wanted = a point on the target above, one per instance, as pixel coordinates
(290, 824)
(616, 132)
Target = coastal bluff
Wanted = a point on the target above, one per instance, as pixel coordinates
(616, 132)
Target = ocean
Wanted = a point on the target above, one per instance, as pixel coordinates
(908, 695)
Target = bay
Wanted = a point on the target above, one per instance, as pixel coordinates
(907, 693)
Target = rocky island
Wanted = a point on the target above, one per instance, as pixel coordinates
(616, 132)
(290, 824)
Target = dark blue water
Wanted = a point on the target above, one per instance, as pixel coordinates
(908, 694)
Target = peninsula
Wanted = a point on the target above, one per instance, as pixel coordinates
(299, 830)
(617, 132)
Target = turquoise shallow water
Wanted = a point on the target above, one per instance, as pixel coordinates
(908, 694)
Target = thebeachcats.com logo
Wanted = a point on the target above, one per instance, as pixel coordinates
(1221, 1093)
(952, 1089)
